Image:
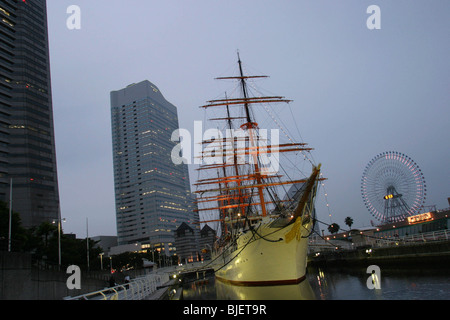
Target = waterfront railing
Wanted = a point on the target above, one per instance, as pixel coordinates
(137, 289)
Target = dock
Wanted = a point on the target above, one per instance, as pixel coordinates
(395, 255)
(161, 284)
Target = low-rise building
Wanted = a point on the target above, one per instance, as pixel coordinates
(206, 243)
(186, 244)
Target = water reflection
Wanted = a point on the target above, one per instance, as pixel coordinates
(331, 285)
(301, 291)
(389, 284)
(200, 289)
(211, 289)
(335, 284)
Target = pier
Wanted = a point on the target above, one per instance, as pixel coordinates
(161, 284)
(428, 248)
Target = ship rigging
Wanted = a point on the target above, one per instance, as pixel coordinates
(242, 187)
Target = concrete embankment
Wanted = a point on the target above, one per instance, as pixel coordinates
(436, 254)
(20, 280)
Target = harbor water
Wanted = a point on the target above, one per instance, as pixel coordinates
(334, 284)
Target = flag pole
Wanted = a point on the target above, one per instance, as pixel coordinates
(87, 242)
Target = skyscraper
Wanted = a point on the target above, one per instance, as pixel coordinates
(27, 144)
(152, 194)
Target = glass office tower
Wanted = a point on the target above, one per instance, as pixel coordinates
(27, 144)
(152, 194)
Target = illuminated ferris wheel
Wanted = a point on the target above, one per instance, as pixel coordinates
(393, 187)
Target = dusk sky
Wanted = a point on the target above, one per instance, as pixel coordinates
(356, 92)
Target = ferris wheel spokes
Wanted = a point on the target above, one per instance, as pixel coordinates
(393, 187)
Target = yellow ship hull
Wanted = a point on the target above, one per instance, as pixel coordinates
(265, 257)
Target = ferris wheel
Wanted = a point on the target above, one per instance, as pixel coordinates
(393, 187)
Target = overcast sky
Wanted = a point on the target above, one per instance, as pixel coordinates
(356, 92)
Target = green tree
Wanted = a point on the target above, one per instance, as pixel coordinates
(349, 222)
(333, 228)
(42, 241)
(127, 260)
(18, 233)
(74, 251)
(46, 230)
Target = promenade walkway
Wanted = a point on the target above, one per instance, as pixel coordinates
(153, 286)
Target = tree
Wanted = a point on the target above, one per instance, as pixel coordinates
(46, 229)
(18, 233)
(42, 241)
(349, 222)
(333, 228)
(127, 260)
(74, 251)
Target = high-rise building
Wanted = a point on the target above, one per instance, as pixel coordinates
(153, 196)
(27, 144)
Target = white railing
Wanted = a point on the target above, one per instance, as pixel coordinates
(434, 235)
(440, 235)
(318, 244)
(137, 289)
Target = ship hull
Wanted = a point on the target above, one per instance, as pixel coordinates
(268, 257)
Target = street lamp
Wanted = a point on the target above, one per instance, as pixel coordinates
(101, 260)
(59, 238)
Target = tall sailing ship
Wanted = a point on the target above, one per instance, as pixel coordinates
(263, 238)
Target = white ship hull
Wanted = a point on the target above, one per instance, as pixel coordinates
(273, 256)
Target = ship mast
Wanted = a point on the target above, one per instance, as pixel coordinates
(244, 89)
(236, 190)
(251, 126)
